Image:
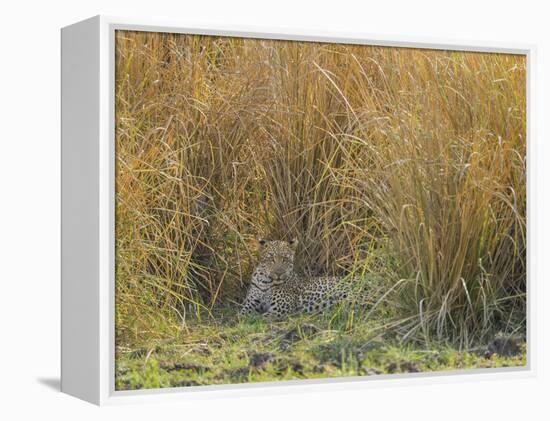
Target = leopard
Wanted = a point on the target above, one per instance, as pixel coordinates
(277, 291)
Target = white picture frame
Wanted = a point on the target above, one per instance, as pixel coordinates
(88, 195)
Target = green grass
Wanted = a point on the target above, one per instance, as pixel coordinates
(254, 349)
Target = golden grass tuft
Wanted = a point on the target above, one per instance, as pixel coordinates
(414, 155)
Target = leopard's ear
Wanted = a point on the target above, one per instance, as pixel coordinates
(293, 243)
(262, 241)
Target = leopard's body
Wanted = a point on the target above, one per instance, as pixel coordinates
(277, 290)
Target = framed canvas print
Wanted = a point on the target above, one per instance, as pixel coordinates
(248, 209)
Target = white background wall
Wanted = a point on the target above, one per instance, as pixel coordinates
(29, 205)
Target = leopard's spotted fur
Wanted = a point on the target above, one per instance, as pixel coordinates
(276, 290)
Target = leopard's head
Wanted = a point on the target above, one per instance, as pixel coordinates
(277, 259)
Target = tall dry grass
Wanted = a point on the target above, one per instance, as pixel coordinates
(446, 178)
(414, 155)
